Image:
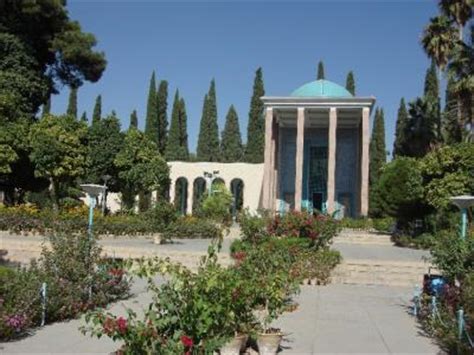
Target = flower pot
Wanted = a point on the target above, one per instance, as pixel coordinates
(234, 346)
(268, 344)
(157, 238)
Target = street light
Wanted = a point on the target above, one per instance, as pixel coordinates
(93, 191)
(463, 202)
(104, 195)
(209, 179)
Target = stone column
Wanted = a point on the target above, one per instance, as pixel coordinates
(172, 190)
(364, 163)
(189, 204)
(276, 163)
(268, 157)
(300, 120)
(331, 181)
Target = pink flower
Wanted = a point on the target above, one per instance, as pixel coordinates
(122, 325)
(187, 341)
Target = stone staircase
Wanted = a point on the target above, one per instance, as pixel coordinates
(350, 236)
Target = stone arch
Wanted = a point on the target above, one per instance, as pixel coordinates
(181, 194)
(237, 190)
(199, 191)
(218, 180)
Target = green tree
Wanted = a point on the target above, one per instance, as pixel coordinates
(84, 117)
(162, 107)
(97, 110)
(439, 39)
(58, 150)
(459, 11)
(151, 121)
(72, 104)
(208, 140)
(47, 106)
(254, 149)
(177, 147)
(400, 190)
(104, 142)
(320, 71)
(350, 83)
(141, 168)
(231, 142)
(378, 158)
(133, 120)
(399, 145)
(452, 130)
(447, 171)
(7, 157)
(431, 96)
(61, 50)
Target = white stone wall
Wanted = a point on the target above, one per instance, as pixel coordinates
(250, 174)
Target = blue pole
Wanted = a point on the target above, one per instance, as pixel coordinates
(91, 215)
(460, 323)
(463, 222)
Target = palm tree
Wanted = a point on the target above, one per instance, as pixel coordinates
(459, 11)
(439, 40)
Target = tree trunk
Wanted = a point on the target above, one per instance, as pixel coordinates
(54, 194)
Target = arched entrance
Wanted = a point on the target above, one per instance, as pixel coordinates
(199, 191)
(217, 181)
(181, 195)
(237, 190)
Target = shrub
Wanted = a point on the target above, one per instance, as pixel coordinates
(75, 282)
(320, 229)
(253, 227)
(192, 227)
(357, 223)
(384, 225)
(423, 241)
(218, 205)
(161, 215)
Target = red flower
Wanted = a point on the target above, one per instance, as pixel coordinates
(187, 341)
(122, 325)
(108, 326)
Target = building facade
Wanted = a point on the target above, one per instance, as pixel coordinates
(317, 150)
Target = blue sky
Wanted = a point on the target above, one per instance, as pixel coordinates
(189, 43)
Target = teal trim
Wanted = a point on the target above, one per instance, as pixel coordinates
(321, 88)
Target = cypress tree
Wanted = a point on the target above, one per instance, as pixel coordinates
(350, 83)
(378, 155)
(97, 110)
(177, 147)
(254, 149)
(451, 129)
(84, 117)
(432, 99)
(208, 140)
(378, 158)
(231, 142)
(133, 120)
(399, 145)
(320, 71)
(47, 106)
(151, 122)
(162, 107)
(72, 104)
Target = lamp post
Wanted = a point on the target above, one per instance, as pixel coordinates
(210, 176)
(93, 191)
(463, 203)
(106, 178)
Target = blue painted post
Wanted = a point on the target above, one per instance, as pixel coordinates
(91, 215)
(43, 303)
(463, 223)
(460, 323)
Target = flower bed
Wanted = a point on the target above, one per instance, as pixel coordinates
(76, 280)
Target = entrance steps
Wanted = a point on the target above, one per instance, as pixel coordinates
(351, 236)
(380, 272)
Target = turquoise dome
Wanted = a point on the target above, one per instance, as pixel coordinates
(321, 88)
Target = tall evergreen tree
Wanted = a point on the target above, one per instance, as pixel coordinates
(452, 130)
(350, 83)
(133, 120)
(162, 107)
(231, 142)
(72, 104)
(378, 158)
(47, 106)
(320, 71)
(256, 123)
(177, 147)
(399, 145)
(97, 110)
(151, 122)
(84, 117)
(208, 140)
